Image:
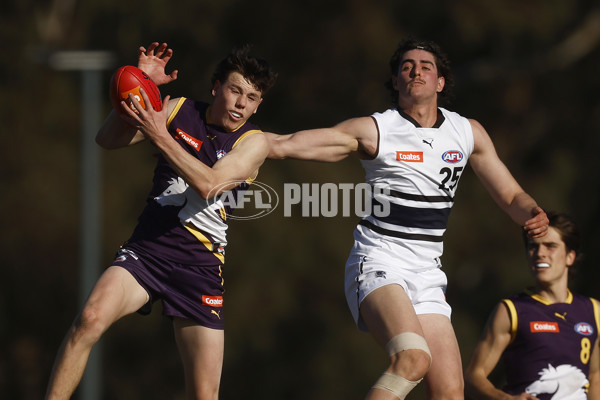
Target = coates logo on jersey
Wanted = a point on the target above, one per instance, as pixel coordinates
(452, 156)
(192, 141)
(541, 326)
(409, 156)
(585, 329)
(213, 301)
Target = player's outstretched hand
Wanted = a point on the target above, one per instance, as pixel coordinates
(153, 62)
(537, 226)
(152, 123)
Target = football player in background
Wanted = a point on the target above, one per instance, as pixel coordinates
(547, 335)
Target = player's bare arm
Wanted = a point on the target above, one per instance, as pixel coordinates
(116, 132)
(357, 136)
(503, 187)
(239, 164)
(496, 338)
(594, 374)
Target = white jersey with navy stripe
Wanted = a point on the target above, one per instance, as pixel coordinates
(414, 176)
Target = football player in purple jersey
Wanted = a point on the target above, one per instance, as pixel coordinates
(176, 252)
(547, 335)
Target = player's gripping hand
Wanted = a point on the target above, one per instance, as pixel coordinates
(152, 123)
(153, 62)
(537, 226)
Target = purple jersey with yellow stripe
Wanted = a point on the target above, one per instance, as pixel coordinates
(551, 345)
(177, 224)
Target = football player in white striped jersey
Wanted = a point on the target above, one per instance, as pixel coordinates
(394, 285)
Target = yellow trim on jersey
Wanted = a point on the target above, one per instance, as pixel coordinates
(595, 304)
(204, 240)
(244, 135)
(250, 179)
(569, 299)
(175, 110)
(221, 275)
(547, 302)
(514, 319)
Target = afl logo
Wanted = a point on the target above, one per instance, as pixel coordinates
(452, 156)
(252, 203)
(583, 328)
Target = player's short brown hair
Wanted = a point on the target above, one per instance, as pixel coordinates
(255, 69)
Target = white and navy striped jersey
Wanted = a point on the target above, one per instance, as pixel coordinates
(414, 178)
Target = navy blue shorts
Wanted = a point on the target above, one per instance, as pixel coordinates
(187, 291)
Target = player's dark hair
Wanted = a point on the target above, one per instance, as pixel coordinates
(441, 61)
(256, 70)
(569, 234)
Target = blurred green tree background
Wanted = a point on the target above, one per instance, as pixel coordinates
(527, 70)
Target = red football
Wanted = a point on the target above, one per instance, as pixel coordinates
(129, 79)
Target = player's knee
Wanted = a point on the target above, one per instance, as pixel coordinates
(412, 364)
(89, 325)
(410, 360)
(410, 356)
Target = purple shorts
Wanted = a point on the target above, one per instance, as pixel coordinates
(187, 291)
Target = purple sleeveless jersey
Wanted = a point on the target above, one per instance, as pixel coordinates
(172, 253)
(551, 345)
(160, 229)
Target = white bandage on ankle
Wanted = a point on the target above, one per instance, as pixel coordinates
(395, 384)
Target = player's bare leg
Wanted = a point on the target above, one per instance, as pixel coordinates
(115, 295)
(201, 351)
(388, 312)
(444, 380)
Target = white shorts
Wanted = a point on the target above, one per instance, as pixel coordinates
(426, 288)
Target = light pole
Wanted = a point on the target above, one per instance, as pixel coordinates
(91, 64)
